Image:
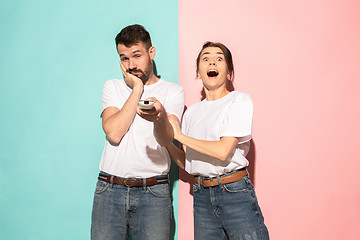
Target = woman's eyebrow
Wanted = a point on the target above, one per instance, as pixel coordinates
(209, 53)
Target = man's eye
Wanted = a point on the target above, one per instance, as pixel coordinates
(137, 56)
(124, 59)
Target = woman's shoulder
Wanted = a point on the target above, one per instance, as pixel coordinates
(241, 96)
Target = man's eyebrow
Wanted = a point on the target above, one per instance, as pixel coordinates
(134, 52)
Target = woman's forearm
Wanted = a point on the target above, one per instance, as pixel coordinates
(217, 149)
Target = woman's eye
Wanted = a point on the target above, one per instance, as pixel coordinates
(219, 59)
(205, 59)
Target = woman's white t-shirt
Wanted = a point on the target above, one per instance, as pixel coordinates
(229, 116)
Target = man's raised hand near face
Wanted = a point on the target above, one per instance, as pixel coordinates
(131, 80)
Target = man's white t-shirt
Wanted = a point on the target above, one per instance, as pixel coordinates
(229, 116)
(139, 155)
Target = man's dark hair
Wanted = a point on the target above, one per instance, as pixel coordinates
(133, 34)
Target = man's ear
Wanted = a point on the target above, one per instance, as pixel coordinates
(152, 51)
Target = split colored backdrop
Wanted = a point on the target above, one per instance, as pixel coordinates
(298, 61)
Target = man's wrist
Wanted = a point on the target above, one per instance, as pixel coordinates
(162, 119)
(138, 89)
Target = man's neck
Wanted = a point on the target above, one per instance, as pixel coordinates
(153, 79)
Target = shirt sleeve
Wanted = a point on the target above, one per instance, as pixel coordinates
(184, 123)
(238, 118)
(175, 102)
(109, 97)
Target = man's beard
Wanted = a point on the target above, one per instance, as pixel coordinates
(145, 75)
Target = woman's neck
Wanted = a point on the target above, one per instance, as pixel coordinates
(212, 95)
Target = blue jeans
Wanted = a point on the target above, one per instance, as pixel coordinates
(144, 213)
(228, 211)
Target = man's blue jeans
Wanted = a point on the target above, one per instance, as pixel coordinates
(144, 213)
(228, 211)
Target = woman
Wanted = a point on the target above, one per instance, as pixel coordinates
(215, 137)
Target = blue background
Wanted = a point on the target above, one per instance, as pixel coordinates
(55, 57)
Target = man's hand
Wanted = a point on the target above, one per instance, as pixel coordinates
(155, 114)
(163, 131)
(131, 80)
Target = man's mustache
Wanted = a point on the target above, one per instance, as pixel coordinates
(134, 71)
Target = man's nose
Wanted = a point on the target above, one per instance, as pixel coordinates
(132, 64)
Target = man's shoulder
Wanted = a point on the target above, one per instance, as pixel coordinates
(172, 85)
(114, 81)
(114, 84)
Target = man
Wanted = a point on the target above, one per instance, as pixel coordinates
(132, 194)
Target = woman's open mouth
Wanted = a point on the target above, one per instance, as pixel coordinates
(212, 73)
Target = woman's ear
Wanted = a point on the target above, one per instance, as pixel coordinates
(228, 76)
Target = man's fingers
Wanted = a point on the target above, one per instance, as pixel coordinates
(123, 70)
(152, 98)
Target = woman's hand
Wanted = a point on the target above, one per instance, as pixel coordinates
(175, 123)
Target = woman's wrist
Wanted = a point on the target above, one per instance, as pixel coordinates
(179, 137)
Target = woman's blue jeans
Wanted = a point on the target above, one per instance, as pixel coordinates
(228, 211)
(144, 213)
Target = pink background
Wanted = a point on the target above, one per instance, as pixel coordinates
(299, 61)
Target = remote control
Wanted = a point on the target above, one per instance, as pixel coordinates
(146, 104)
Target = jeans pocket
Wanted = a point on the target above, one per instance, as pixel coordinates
(196, 187)
(160, 190)
(238, 186)
(101, 187)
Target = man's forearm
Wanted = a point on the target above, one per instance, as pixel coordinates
(117, 124)
(163, 131)
(177, 155)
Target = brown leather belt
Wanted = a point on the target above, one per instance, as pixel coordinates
(133, 182)
(224, 180)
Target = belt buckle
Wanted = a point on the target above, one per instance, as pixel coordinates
(126, 184)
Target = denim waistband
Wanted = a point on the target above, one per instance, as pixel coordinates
(223, 175)
(219, 180)
(159, 177)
